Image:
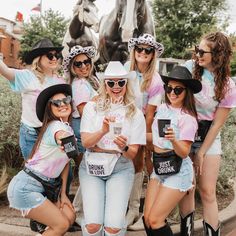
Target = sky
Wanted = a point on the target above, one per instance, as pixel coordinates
(10, 7)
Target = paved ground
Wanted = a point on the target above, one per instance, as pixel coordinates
(17, 226)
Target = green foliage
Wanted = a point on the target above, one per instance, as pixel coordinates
(51, 25)
(233, 61)
(10, 111)
(179, 24)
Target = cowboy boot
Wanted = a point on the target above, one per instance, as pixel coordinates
(187, 225)
(209, 231)
(134, 201)
(163, 231)
(147, 229)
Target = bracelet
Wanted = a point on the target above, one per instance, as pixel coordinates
(125, 149)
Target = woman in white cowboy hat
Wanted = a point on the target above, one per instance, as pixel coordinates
(78, 68)
(112, 129)
(39, 190)
(144, 51)
(172, 175)
(44, 60)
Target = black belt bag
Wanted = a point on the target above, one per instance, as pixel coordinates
(203, 128)
(167, 163)
(52, 190)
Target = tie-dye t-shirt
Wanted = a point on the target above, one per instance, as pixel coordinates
(205, 104)
(154, 93)
(184, 125)
(49, 159)
(30, 87)
(134, 128)
(82, 92)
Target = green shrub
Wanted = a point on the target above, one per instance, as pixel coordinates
(10, 111)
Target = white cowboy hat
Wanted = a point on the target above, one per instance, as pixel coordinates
(90, 51)
(116, 70)
(146, 39)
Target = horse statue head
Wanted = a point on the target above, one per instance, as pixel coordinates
(84, 24)
(129, 18)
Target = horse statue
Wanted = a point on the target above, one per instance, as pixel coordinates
(129, 18)
(83, 26)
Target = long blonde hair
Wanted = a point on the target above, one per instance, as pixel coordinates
(150, 71)
(38, 71)
(129, 99)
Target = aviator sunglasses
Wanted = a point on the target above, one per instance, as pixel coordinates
(58, 102)
(177, 90)
(146, 50)
(200, 51)
(79, 64)
(51, 55)
(111, 83)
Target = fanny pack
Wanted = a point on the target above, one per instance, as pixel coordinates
(167, 163)
(52, 190)
(203, 128)
(100, 163)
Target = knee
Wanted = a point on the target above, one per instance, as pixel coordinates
(71, 217)
(154, 221)
(208, 195)
(62, 226)
(111, 230)
(93, 228)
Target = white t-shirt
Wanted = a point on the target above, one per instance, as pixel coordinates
(134, 128)
(30, 87)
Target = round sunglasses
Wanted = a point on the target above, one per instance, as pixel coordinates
(51, 55)
(146, 50)
(79, 64)
(177, 90)
(58, 102)
(201, 52)
(111, 83)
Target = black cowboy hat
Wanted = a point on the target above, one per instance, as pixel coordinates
(46, 94)
(40, 48)
(183, 75)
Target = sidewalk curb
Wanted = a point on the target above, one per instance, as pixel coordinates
(225, 216)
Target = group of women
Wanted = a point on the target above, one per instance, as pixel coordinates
(116, 117)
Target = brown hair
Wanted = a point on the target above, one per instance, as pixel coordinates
(221, 54)
(188, 103)
(47, 119)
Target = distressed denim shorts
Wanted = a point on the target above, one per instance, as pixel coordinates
(105, 199)
(28, 137)
(215, 148)
(24, 192)
(183, 181)
(75, 124)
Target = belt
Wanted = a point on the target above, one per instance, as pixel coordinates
(29, 172)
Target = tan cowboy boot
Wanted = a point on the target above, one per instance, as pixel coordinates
(78, 205)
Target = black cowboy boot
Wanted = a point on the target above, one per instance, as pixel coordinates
(163, 231)
(209, 231)
(147, 229)
(187, 225)
(36, 226)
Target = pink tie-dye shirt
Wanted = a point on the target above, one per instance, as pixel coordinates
(49, 159)
(205, 104)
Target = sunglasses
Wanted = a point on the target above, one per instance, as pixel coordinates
(146, 50)
(79, 64)
(111, 83)
(200, 51)
(58, 102)
(177, 90)
(51, 55)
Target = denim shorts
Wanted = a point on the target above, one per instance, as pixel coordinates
(182, 181)
(215, 148)
(75, 124)
(105, 199)
(24, 192)
(28, 137)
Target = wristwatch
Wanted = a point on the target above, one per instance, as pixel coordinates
(125, 149)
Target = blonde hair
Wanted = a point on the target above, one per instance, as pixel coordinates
(148, 73)
(129, 99)
(38, 71)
